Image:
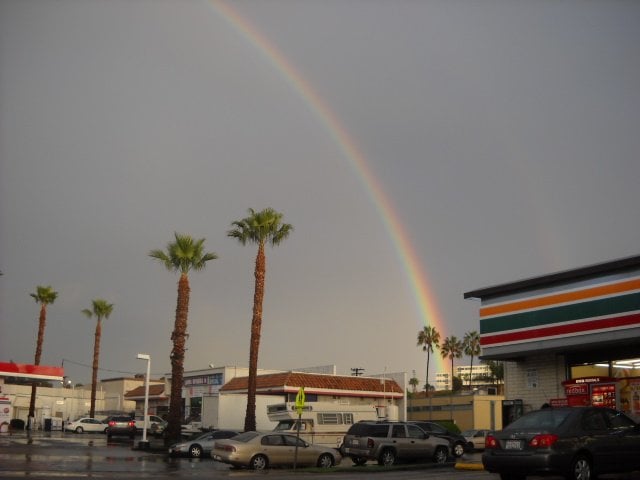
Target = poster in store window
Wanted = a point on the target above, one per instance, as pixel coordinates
(5, 413)
(630, 397)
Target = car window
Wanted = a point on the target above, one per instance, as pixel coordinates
(398, 431)
(292, 441)
(272, 440)
(246, 436)
(618, 420)
(594, 420)
(547, 418)
(415, 432)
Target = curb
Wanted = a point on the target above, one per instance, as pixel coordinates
(469, 466)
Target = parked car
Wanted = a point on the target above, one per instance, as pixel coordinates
(202, 445)
(476, 437)
(391, 442)
(158, 428)
(576, 442)
(153, 419)
(85, 424)
(120, 425)
(457, 443)
(262, 450)
(188, 429)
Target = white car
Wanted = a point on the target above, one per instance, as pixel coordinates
(476, 437)
(85, 424)
(152, 420)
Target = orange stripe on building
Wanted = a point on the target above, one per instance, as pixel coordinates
(566, 297)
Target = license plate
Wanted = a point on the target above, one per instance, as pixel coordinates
(355, 443)
(513, 445)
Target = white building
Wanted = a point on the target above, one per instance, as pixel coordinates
(481, 372)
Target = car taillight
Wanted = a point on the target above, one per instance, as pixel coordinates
(543, 441)
(370, 443)
(229, 448)
(132, 424)
(491, 442)
(111, 423)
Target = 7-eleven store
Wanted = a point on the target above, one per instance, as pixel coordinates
(567, 338)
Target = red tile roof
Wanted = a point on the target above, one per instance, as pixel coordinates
(138, 392)
(290, 382)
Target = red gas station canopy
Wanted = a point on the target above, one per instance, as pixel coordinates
(35, 372)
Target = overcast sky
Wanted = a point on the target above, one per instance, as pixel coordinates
(499, 138)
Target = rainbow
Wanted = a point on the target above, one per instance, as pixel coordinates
(421, 289)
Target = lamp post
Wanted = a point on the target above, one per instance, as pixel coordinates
(144, 356)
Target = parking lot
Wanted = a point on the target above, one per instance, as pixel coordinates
(68, 455)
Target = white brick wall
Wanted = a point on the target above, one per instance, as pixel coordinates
(535, 380)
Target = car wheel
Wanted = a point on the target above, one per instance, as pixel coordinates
(79, 430)
(359, 461)
(325, 461)
(387, 457)
(458, 449)
(440, 455)
(259, 462)
(581, 469)
(195, 451)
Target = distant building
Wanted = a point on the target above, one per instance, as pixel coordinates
(481, 374)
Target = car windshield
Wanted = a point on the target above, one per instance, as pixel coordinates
(541, 419)
(246, 436)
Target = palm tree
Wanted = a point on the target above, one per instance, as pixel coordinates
(183, 255)
(451, 348)
(43, 296)
(100, 309)
(413, 381)
(471, 346)
(429, 339)
(258, 228)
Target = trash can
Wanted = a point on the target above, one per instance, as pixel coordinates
(47, 424)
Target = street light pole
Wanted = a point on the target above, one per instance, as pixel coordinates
(144, 356)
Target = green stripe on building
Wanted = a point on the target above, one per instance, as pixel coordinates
(566, 313)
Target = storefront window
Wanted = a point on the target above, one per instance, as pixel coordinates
(610, 368)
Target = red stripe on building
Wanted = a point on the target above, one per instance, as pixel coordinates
(572, 328)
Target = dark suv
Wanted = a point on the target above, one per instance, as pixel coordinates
(120, 425)
(457, 443)
(391, 442)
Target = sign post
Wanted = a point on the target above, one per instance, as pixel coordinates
(300, 397)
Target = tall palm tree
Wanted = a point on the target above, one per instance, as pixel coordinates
(44, 296)
(451, 348)
(182, 256)
(471, 345)
(258, 228)
(100, 309)
(428, 339)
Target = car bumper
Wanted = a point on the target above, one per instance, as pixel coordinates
(525, 463)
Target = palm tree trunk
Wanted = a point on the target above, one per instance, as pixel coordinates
(426, 387)
(256, 328)
(94, 374)
(41, 325)
(177, 358)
